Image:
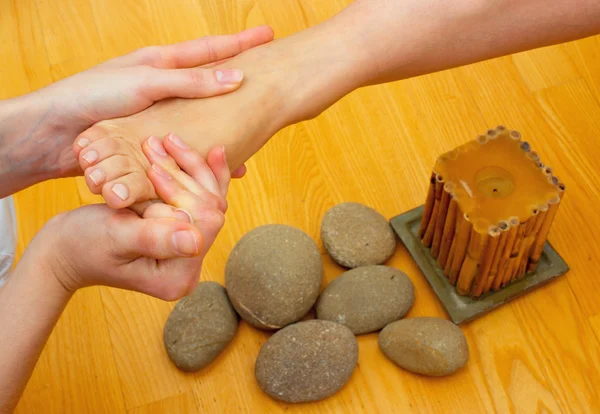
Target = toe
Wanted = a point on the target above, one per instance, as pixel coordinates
(100, 150)
(109, 169)
(128, 189)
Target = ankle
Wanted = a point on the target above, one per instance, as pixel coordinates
(310, 71)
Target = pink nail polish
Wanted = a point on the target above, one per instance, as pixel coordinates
(161, 171)
(97, 176)
(83, 142)
(121, 191)
(157, 146)
(178, 142)
(229, 76)
(90, 156)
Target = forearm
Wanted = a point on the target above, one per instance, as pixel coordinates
(378, 41)
(30, 304)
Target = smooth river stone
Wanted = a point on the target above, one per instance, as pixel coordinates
(200, 326)
(428, 346)
(273, 276)
(306, 361)
(356, 235)
(367, 298)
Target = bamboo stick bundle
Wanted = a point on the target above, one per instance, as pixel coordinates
(542, 235)
(530, 239)
(477, 245)
(486, 262)
(439, 189)
(428, 209)
(525, 247)
(514, 255)
(441, 221)
(462, 241)
(448, 233)
(448, 264)
(499, 266)
(505, 229)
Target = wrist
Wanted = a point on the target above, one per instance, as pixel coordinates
(45, 256)
(30, 142)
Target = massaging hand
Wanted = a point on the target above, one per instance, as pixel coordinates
(39, 128)
(160, 254)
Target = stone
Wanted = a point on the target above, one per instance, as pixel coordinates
(307, 361)
(367, 298)
(200, 326)
(356, 235)
(273, 276)
(428, 346)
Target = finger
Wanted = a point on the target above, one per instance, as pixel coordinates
(189, 83)
(162, 210)
(157, 154)
(156, 238)
(218, 164)
(190, 161)
(195, 52)
(173, 193)
(240, 172)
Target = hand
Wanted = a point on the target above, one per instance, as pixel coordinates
(39, 129)
(160, 254)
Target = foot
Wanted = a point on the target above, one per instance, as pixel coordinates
(284, 82)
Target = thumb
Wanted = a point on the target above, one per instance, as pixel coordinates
(163, 238)
(190, 83)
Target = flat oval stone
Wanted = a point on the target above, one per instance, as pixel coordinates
(273, 276)
(200, 326)
(356, 235)
(428, 346)
(367, 298)
(306, 361)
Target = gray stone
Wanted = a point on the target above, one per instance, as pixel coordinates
(367, 298)
(306, 361)
(356, 235)
(200, 326)
(273, 276)
(428, 346)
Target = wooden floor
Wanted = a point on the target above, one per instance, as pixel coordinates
(377, 146)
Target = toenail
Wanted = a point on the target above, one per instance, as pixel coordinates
(184, 242)
(97, 176)
(90, 156)
(121, 191)
(182, 215)
(160, 171)
(83, 142)
(178, 142)
(156, 146)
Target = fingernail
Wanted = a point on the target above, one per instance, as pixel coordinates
(178, 142)
(182, 215)
(184, 242)
(83, 142)
(229, 76)
(97, 176)
(160, 171)
(90, 156)
(223, 156)
(156, 146)
(121, 191)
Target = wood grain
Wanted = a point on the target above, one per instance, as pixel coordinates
(377, 146)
